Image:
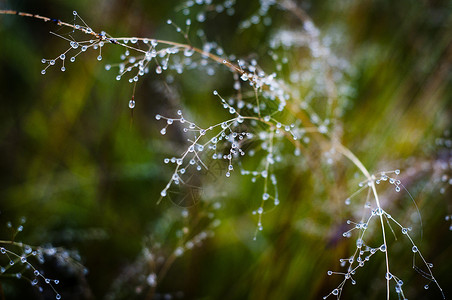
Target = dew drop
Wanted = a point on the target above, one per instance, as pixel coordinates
(74, 45)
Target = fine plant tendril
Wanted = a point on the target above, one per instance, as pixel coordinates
(266, 115)
(153, 264)
(22, 261)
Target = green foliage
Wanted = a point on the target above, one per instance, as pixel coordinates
(88, 172)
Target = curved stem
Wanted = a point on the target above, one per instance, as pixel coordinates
(371, 178)
(115, 41)
(121, 41)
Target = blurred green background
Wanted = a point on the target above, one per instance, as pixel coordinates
(87, 174)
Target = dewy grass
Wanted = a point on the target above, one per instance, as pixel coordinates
(267, 115)
(23, 261)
